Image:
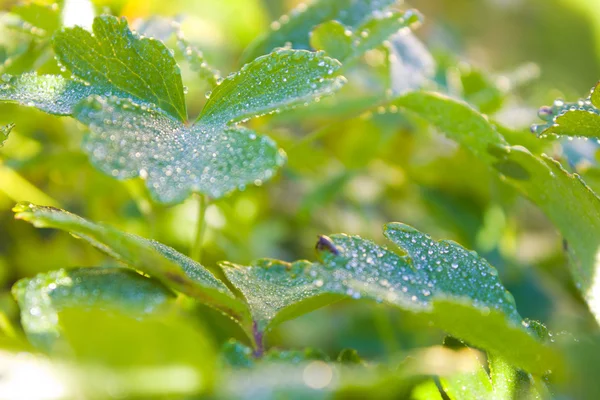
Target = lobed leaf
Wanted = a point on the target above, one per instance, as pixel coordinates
(129, 140)
(271, 83)
(565, 199)
(447, 284)
(296, 27)
(115, 60)
(157, 260)
(579, 119)
(42, 298)
(347, 45)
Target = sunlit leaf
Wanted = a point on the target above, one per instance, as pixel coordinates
(115, 60)
(565, 198)
(454, 288)
(197, 62)
(41, 298)
(411, 64)
(4, 132)
(271, 83)
(578, 119)
(296, 27)
(157, 260)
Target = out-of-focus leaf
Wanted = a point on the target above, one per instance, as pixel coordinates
(271, 83)
(452, 287)
(347, 45)
(411, 65)
(470, 385)
(78, 13)
(296, 27)
(565, 198)
(115, 60)
(175, 160)
(39, 20)
(197, 62)
(41, 298)
(159, 261)
(579, 119)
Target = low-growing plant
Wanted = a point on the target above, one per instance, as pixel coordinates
(349, 73)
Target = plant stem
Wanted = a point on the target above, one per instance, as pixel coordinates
(196, 250)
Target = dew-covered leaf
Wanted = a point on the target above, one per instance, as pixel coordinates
(295, 27)
(578, 119)
(114, 60)
(157, 260)
(454, 288)
(271, 83)
(475, 384)
(566, 200)
(197, 63)
(411, 64)
(4, 132)
(346, 45)
(50, 93)
(41, 298)
(129, 140)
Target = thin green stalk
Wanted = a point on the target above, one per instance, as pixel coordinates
(196, 250)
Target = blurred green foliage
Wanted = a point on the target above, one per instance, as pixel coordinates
(352, 167)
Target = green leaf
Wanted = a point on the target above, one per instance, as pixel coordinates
(197, 62)
(565, 199)
(174, 160)
(275, 82)
(4, 132)
(474, 384)
(157, 260)
(452, 287)
(347, 45)
(296, 27)
(41, 298)
(40, 20)
(410, 63)
(579, 119)
(116, 61)
(50, 93)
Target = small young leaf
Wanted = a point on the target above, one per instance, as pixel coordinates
(347, 45)
(41, 298)
(175, 160)
(296, 27)
(449, 285)
(567, 201)
(162, 262)
(271, 83)
(579, 119)
(114, 60)
(4, 132)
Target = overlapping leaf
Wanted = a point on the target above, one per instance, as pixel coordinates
(296, 27)
(451, 286)
(136, 116)
(346, 45)
(41, 298)
(159, 261)
(579, 119)
(565, 198)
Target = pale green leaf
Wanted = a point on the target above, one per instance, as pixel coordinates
(452, 287)
(197, 62)
(41, 298)
(579, 119)
(295, 27)
(347, 45)
(4, 132)
(475, 384)
(114, 60)
(275, 82)
(129, 140)
(50, 93)
(39, 20)
(157, 260)
(567, 201)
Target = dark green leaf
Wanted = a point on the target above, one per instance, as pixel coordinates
(565, 198)
(41, 298)
(159, 261)
(114, 61)
(454, 288)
